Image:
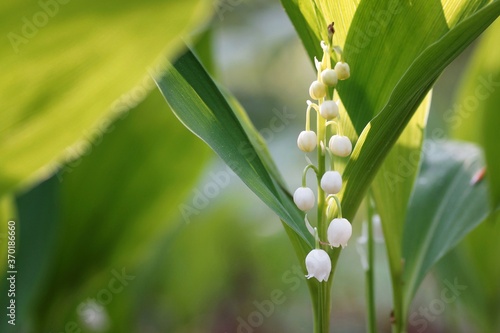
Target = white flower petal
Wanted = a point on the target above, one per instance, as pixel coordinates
(318, 265)
(339, 232)
(331, 182)
(340, 145)
(307, 141)
(304, 198)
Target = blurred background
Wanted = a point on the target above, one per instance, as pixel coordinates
(142, 229)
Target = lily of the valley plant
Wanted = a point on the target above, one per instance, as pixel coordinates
(374, 73)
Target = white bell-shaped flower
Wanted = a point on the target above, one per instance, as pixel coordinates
(307, 141)
(331, 182)
(340, 145)
(339, 232)
(329, 77)
(317, 90)
(318, 265)
(304, 198)
(329, 110)
(343, 70)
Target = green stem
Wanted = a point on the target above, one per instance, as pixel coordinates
(399, 322)
(322, 315)
(370, 272)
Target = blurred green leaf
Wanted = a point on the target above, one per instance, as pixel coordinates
(201, 107)
(36, 225)
(7, 213)
(66, 64)
(475, 264)
(116, 203)
(475, 116)
(444, 207)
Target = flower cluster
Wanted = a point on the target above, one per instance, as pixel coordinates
(329, 145)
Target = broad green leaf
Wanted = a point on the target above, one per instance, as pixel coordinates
(444, 207)
(67, 68)
(475, 115)
(370, 32)
(474, 263)
(201, 107)
(115, 204)
(382, 132)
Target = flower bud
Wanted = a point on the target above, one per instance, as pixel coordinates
(329, 77)
(339, 232)
(343, 71)
(304, 198)
(317, 90)
(331, 182)
(340, 145)
(329, 110)
(307, 141)
(318, 265)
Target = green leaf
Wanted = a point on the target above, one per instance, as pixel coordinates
(69, 64)
(382, 132)
(36, 226)
(475, 116)
(370, 32)
(201, 107)
(115, 204)
(445, 206)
